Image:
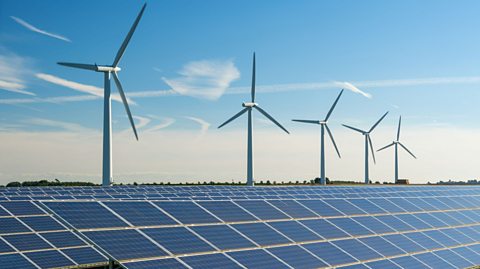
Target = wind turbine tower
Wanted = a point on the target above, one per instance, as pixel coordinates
(110, 71)
(368, 143)
(396, 143)
(323, 126)
(248, 107)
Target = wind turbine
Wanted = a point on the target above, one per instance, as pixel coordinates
(368, 143)
(248, 107)
(396, 143)
(108, 72)
(323, 126)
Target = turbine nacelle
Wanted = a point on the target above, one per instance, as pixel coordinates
(249, 104)
(322, 122)
(106, 68)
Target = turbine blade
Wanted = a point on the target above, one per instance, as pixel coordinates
(378, 122)
(405, 148)
(387, 146)
(333, 106)
(398, 131)
(308, 121)
(81, 66)
(253, 79)
(128, 37)
(371, 149)
(125, 102)
(234, 117)
(270, 118)
(353, 128)
(333, 140)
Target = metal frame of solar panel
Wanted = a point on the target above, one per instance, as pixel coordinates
(262, 227)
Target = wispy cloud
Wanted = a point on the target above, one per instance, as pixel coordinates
(65, 126)
(40, 31)
(204, 125)
(12, 71)
(141, 121)
(204, 79)
(57, 100)
(351, 87)
(289, 87)
(93, 90)
(164, 123)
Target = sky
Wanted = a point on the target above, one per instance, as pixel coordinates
(188, 69)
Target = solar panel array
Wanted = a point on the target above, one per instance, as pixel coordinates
(243, 227)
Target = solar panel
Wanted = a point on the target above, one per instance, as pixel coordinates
(15, 261)
(231, 226)
(49, 259)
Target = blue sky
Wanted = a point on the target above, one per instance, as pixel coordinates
(415, 58)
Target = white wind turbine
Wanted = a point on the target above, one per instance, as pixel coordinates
(248, 106)
(108, 71)
(323, 126)
(396, 143)
(368, 143)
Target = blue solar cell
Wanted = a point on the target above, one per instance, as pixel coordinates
(446, 218)
(12, 225)
(382, 246)
(262, 210)
(430, 220)
(49, 259)
(403, 203)
(222, 236)
(42, 223)
(433, 261)
(187, 212)
(367, 206)
(140, 213)
(358, 250)
(330, 253)
(468, 254)
(324, 228)
(395, 223)
(86, 255)
(3, 212)
(178, 240)
(84, 215)
(472, 214)
(320, 207)
(219, 261)
(386, 205)
(441, 238)
(413, 221)
(344, 206)
(374, 224)
(258, 259)
(15, 261)
(383, 264)
(470, 232)
(125, 244)
(409, 262)
(227, 211)
(261, 234)
(403, 242)
(293, 209)
(460, 217)
(25, 242)
(422, 204)
(297, 257)
(437, 203)
(294, 230)
(458, 236)
(453, 258)
(423, 240)
(350, 226)
(22, 208)
(155, 264)
(63, 239)
(4, 247)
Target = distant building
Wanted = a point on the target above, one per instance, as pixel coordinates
(402, 181)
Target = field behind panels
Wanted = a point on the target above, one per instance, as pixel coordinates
(241, 227)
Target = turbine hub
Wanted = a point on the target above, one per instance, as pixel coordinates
(323, 122)
(248, 104)
(105, 68)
